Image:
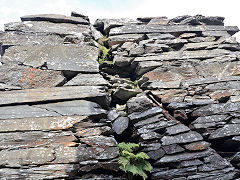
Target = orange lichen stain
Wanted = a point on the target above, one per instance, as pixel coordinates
(30, 75)
(221, 95)
(199, 147)
(236, 71)
(70, 144)
(82, 132)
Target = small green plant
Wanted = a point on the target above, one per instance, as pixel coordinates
(131, 163)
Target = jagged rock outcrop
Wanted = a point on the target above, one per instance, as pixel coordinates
(71, 91)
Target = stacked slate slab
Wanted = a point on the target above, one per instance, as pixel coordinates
(190, 66)
(170, 85)
(52, 113)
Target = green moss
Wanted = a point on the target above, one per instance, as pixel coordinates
(103, 40)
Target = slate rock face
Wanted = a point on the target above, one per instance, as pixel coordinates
(170, 85)
(81, 58)
(56, 18)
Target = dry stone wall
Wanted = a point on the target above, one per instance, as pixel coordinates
(71, 91)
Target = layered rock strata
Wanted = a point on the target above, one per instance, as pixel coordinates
(171, 85)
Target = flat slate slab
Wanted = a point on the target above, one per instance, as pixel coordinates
(16, 140)
(24, 111)
(48, 28)
(76, 107)
(39, 123)
(87, 80)
(53, 94)
(56, 18)
(18, 38)
(26, 77)
(182, 55)
(142, 29)
(82, 58)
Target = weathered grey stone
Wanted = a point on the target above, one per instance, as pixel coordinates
(202, 39)
(125, 94)
(122, 61)
(184, 156)
(171, 42)
(224, 86)
(197, 146)
(106, 24)
(95, 33)
(231, 47)
(171, 75)
(209, 80)
(17, 38)
(139, 103)
(225, 131)
(226, 173)
(156, 154)
(76, 14)
(120, 39)
(5, 87)
(24, 111)
(143, 67)
(26, 77)
(160, 36)
(137, 50)
(87, 80)
(198, 20)
(49, 28)
(52, 94)
(159, 20)
(76, 107)
(164, 85)
(150, 146)
(99, 141)
(180, 115)
(120, 125)
(172, 149)
(158, 126)
(65, 154)
(150, 136)
(36, 124)
(141, 29)
(56, 18)
(210, 119)
(154, 48)
(178, 55)
(187, 35)
(82, 58)
(16, 158)
(85, 131)
(198, 46)
(220, 108)
(137, 116)
(151, 120)
(216, 33)
(52, 171)
(176, 129)
(112, 115)
(173, 173)
(16, 140)
(214, 162)
(218, 69)
(172, 95)
(188, 163)
(182, 138)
